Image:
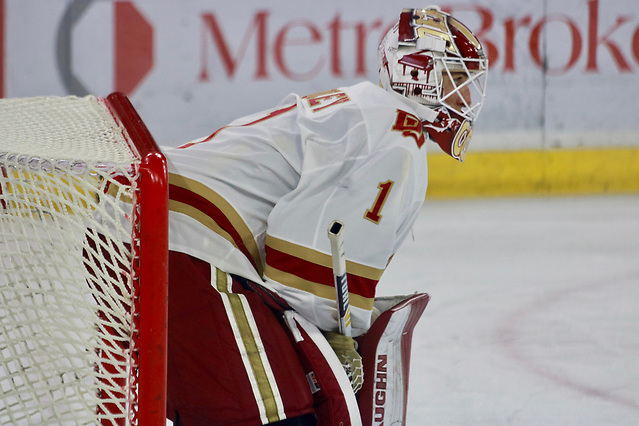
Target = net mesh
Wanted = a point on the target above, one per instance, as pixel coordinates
(68, 180)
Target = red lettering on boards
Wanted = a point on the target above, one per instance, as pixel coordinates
(591, 42)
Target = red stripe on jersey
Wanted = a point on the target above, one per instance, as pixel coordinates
(259, 120)
(200, 203)
(304, 269)
(313, 272)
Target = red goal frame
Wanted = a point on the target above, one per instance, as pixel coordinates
(151, 263)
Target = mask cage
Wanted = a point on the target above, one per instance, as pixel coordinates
(471, 89)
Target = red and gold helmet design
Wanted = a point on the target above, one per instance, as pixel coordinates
(433, 59)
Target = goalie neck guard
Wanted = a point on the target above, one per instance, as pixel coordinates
(432, 59)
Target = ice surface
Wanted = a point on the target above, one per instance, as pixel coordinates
(534, 312)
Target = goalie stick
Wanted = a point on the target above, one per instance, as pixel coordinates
(336, 236)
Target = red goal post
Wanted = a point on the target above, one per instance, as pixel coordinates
(83, 263)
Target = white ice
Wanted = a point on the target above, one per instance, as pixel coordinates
(534, 312)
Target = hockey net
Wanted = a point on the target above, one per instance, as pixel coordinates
(83, 261)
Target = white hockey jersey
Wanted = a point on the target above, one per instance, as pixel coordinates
(256, 197)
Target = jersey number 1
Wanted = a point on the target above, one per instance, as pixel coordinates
(374, 213)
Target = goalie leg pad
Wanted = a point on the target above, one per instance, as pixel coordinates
(334, 400)
(385, 351)
(229, 359)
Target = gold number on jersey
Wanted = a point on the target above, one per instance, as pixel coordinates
(374, 213)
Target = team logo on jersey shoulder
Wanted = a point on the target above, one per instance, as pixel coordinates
(323, 100)
(410, 126)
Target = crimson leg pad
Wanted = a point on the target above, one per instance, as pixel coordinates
(385, 351)
(335, 403)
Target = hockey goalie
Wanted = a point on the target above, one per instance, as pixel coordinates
(254, 335)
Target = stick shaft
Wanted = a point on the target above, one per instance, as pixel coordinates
(336, 236)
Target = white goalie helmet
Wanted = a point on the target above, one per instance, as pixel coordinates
(431, 58)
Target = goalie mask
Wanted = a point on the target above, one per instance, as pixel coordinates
(431, 58)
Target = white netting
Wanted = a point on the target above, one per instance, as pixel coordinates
(55, 127)
(67, 284)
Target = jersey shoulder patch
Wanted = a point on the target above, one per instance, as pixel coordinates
(325, 101)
